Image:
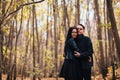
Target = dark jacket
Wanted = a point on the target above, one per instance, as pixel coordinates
(86, 50)
(70, 47)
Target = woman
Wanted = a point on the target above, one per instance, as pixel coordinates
(70, 67)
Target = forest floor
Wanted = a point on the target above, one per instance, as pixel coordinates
(19, 78)
(97, 77)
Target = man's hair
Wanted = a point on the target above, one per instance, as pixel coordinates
(82, 26)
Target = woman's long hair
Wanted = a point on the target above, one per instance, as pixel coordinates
(69, 35)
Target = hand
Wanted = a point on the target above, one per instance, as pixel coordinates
(90, 59)
(63, 55)
(76, 54)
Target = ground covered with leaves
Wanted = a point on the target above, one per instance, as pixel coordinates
(97, 77)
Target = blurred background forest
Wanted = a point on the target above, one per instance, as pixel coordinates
(32, 35)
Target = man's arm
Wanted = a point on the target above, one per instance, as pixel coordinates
(89, 51)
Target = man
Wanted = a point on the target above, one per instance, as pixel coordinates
(85, 57)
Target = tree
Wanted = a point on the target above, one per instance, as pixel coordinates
(33, 46)
(66, 22)
(55, 8)
(1, 37)
(100, 45)
(28, 38)
(113, 26)
(77, 12)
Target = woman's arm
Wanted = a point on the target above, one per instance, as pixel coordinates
(73, 45)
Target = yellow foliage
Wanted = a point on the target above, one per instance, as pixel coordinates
(117, 12)
(6, 30)
(26, 33)
(85, 7)
(110, 69)
(26, 11)
(50, 1)
(6, 54)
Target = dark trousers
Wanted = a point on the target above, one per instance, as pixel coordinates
(70, 79)
(85, 74)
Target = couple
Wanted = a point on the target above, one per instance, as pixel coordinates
(78, 55)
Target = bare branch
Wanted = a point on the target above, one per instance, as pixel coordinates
(23, 6)
(9, 6)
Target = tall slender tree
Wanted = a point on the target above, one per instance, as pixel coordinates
(55, 8)
(113, 26)
(33, 46)
(1, 39)
(77, 20)
(10, 69)
(47, 41)
(100, 45)
(66, 22)
(1, 35)
(87, 18)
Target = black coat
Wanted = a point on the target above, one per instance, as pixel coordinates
(70, 47)
(70, 68)
(86, 50)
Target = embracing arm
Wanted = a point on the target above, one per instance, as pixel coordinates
(89, 51)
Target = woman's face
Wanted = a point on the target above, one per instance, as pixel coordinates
(74, 33)
(80, 29)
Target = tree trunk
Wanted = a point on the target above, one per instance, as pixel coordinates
(38, 42)
(42, 48)
(33, 25)
(107, 56)
(1, 37)
(77, 20)
(113, 26)
(26, 48)
(46, 45)
(17, 37)
(9, 72)
(65, 18)
(99, 36)
(1, 51)
(87, 19)
(55, 7)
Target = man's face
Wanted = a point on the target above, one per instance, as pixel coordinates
(80, 29)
